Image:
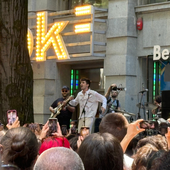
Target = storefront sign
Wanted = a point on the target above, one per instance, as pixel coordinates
(157, 54)
(45, 39)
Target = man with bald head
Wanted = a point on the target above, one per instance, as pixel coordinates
(59, 158)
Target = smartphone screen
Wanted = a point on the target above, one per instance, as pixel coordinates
(163, 128)
(149, 125)
(52, 125)
(73, 129)
(84, 131)
(11, 115)
(64, 130)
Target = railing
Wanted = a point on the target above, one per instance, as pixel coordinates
(145, 2)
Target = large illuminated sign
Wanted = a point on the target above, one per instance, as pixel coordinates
(45, 39)
(82, 28)
(84, 10)
(30, 41)
(157, 53)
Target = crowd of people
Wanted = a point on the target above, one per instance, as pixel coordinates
(119, 145)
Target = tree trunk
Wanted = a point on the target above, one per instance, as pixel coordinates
(16, 76)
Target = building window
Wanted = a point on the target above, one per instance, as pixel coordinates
(74, 81)
(144, 2)
(97, 3)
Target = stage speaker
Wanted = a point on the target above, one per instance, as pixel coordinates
(166, 113)
(166, 104)
(96, 125)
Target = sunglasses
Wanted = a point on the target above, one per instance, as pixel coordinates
(65, 91)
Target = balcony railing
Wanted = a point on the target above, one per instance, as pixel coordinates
(145, 2)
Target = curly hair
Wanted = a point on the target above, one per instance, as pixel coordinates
(142, 156)
(158, 141)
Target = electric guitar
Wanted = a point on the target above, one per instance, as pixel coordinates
(59, 107)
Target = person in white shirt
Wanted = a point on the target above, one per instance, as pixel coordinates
(88, 100)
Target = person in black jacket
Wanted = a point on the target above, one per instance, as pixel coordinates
(66, 111)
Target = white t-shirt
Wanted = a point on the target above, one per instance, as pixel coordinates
(127, 162)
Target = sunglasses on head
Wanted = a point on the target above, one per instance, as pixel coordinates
(65, 91)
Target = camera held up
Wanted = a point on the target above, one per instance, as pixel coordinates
(118, 88)
(154, 127)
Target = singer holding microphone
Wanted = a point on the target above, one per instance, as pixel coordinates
(88, 100)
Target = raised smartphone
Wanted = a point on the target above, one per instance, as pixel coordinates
(11, 115)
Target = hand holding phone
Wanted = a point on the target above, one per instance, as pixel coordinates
(11, 115)
(85, 131)
(64, 130)
(52, 125)
(149, 125)
(14, 125)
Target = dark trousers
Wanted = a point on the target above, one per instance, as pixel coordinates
(64, 121)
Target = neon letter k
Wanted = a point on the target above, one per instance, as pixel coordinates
(44, 39)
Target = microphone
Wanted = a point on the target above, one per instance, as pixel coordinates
(143, 91)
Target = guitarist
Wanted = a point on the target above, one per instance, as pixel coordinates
(66, 111)
(113, 103)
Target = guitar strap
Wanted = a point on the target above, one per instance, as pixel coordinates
(117, 104)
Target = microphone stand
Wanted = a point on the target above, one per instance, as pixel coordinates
(83, 111)
(140, 106)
